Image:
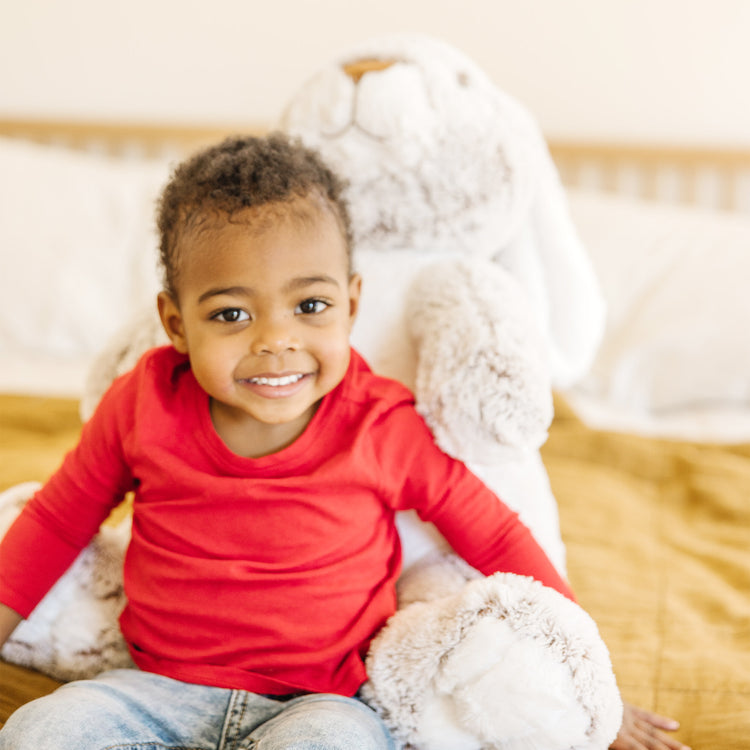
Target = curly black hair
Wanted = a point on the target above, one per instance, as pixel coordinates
(242, 172)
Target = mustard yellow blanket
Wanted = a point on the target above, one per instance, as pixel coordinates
(658, 539)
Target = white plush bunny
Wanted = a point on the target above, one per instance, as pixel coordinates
(477, 294)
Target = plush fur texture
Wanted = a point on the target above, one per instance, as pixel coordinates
(500, 398)
(73, 633)
(502, 662)
(144, 331)
(478, 295)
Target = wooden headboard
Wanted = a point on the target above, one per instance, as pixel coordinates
(714, 178)
(120, 139)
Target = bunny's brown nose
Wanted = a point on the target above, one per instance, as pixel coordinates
(355, 70)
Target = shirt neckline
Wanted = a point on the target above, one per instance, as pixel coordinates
(298, 454)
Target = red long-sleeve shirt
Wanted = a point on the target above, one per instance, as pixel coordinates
(268, 574)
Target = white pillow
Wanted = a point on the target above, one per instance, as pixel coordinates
(676, 352)
(78, 246)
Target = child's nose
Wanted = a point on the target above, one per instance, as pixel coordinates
(273, 337)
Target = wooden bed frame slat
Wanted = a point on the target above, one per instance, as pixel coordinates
(712, 177)
(116, 138)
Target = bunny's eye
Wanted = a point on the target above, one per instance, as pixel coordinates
(463, 79)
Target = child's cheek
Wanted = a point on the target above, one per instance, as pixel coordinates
(335, 359)
(214, 370)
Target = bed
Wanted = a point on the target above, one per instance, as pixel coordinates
(648, 456)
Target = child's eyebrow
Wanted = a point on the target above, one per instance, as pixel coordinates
(232, 291)
(304, 281)
(292, 285)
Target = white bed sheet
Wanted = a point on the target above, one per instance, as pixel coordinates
(77, 243)
(675, 357)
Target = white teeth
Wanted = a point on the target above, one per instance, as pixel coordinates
(286, 380)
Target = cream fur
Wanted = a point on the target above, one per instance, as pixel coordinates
(501, 662)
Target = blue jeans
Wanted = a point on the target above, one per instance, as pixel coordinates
(127, 709)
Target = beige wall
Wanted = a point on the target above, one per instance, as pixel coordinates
(642, 70)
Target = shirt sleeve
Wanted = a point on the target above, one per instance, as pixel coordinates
(60, 520)
(474, 521)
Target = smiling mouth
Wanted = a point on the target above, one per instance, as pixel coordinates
(277, 382)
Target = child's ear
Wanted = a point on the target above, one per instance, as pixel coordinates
(171, 320)
(355, 290)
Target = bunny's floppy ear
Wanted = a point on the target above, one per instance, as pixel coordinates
(547, 256)
(576, 304)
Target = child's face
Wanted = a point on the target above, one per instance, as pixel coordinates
(265, 309)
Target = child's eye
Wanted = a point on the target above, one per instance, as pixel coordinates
(311, 307)
(231, 315)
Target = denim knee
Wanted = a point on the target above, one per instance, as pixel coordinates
(64, 719)
(120, 709)
(323, 722)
